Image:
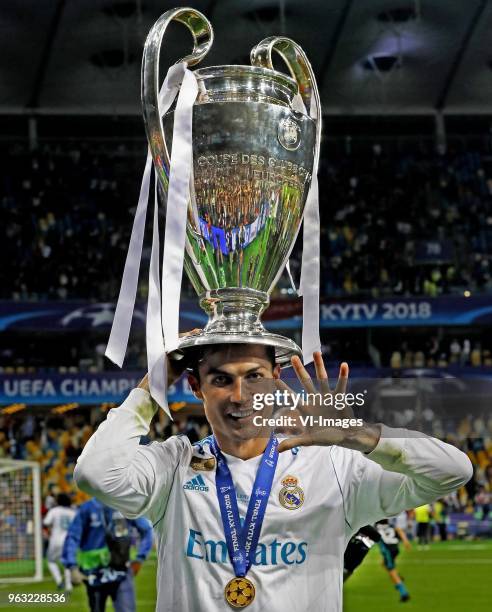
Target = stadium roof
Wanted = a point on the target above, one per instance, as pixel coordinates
(370, 56)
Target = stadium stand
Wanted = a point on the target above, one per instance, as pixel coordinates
(65, 203)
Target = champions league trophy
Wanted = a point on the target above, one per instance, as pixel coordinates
(255, 149)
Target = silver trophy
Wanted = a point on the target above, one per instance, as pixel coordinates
(253, 159)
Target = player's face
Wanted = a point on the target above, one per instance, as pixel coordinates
(229, 379)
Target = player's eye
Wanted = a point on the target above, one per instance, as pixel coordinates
(221, 380)
(254, 376)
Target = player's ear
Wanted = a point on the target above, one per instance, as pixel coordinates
(276, 371)
(195, 386)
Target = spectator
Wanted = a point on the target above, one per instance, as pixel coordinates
(423, 515)
(103, 537)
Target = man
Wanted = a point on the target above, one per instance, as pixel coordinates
(423, 515)
(102, 538)
(389, 546)
(326, 485)
(57, 520)
(440, 512)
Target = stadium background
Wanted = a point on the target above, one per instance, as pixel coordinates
(406, 210)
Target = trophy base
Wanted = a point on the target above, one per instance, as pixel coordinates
(235, 319)
(285, 348)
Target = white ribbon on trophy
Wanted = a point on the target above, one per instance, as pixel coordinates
(156, 350)
(163, 299)
(309, 283)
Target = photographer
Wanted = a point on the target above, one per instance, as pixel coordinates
(102, 537)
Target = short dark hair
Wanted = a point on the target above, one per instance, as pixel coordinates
(195, 356)
(62, 499)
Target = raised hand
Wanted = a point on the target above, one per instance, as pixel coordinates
(324, 406)
(174, 368)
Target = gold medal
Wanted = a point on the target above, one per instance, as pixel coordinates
(239, 592)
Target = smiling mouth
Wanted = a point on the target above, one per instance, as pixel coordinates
(241, 414)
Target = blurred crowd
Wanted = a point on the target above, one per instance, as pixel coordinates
(441, 354)
(377, 209)
(84, 352)
(68, 211)
(56, 440)
(66, 353)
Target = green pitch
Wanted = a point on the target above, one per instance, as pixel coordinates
(452, 577)
(9, 569)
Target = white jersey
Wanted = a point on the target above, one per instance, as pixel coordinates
(320, 497)
(59, 519)
(388, 534)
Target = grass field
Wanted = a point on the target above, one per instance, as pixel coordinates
(451, 576)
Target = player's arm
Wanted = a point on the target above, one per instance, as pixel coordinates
(403, 537)
(110, 467)
(72, 541)
(118, 470)
(71, 546)
(146, 532)
(47, 523)
(406, 469)
(48, 519)
(370, 532)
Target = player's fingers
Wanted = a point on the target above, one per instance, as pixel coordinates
(283, 386)
(304, 440)
(287, 400)
(302, 374)
(342, 378)
(321, 373)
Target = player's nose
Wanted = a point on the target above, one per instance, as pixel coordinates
(237, 391)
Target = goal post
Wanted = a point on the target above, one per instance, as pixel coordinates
(21, 544)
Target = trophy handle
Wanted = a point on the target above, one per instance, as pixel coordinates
(203, 37)
(300, 70)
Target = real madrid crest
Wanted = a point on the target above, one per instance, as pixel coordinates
(291, 496)
(289, 134)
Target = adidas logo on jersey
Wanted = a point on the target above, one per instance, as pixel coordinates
(196, 484)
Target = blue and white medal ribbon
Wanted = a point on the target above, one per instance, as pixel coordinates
(242, 540)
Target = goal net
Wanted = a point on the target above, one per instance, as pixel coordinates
(20, 522)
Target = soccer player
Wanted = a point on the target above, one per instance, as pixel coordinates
(102, 538)
(389, 546)
(57, 521)
(357, 548)
(300, 499)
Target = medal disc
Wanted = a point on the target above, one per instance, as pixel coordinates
(239, 592)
